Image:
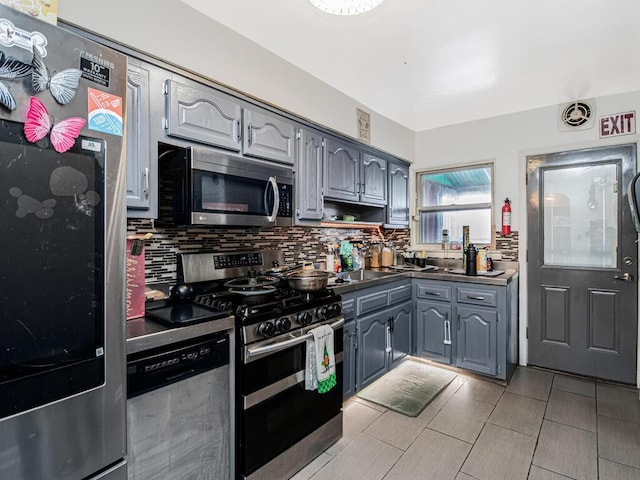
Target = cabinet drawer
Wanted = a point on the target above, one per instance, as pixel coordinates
(372, 302)
(478, 296)
(348, 308)
(400, 294)
(433, 292)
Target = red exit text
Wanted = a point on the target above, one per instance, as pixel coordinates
(618, 124)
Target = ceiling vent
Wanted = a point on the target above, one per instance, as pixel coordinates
(578, 115)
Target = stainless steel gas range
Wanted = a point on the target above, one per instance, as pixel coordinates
(280, 426)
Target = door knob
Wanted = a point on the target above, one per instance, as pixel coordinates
(626, 277)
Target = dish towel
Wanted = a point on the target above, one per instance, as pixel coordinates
(320, 369)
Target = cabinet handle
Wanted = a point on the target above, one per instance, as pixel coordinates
(249, 135)
(388, 348)
(475, 297)
(238, 132)
(447, 332)
(146, 182)
(429, 292)
(458, 321)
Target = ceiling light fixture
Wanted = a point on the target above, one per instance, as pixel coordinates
(346, 7)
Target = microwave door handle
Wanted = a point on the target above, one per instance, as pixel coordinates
(276, 199)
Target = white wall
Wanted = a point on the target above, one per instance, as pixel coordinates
(508, 140)
(172, 31)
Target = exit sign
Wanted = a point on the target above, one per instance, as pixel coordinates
(618, 124)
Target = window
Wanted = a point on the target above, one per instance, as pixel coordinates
(451, 198)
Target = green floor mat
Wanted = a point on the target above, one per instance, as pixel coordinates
(409, 388)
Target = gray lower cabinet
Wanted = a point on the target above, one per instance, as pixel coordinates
(398, 195)
(373, 348)
(477, 338)
(267, 135)
(350, 343)
(400, 335)
(308, 175)
(471, 326)
(200, 113)
(384, 328)
(433, 320)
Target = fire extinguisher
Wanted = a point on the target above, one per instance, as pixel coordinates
(506, 217)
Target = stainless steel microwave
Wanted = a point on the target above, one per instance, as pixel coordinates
(207, 187)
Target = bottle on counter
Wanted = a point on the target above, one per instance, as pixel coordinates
(471, 254)
(387, 257)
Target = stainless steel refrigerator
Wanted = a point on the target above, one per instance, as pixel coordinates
(62, 255)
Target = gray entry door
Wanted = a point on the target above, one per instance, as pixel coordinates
(582, 263)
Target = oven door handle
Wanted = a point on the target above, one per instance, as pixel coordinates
(276, 347)
(276, 199)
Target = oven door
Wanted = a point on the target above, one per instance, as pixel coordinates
(229, 190)
(275, 410)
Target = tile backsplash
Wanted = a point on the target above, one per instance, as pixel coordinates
(297, 243)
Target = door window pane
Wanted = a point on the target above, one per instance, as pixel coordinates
(580, 215)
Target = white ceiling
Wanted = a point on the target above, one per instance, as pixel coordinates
(430, 63)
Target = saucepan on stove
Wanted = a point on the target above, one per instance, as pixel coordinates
(308, 280)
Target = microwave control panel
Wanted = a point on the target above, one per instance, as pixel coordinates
(286, 202)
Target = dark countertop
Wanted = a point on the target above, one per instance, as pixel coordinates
(145, 334)
(388, 275)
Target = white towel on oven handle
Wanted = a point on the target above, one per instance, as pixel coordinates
(320, 368)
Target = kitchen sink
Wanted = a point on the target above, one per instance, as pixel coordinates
(358, 276)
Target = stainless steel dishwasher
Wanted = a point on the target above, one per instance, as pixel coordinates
(178, 411)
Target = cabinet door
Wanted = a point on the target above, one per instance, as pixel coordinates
(398, 206)
(373, 341)
(265, 135)
(477, 340)
(400, 323)
(373, 177)
(349, 360)
(203, 114)
(341, 171)
(433, 330)
(308, 181)
(138, 154)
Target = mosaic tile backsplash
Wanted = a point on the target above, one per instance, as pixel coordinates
(297, 243)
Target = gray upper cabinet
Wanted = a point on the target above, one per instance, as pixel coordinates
(398, 205)
(308, 176)
(373, 178)
(266, 135)
(353, 176)
(204, 115)
(138, 142)
(341, 171)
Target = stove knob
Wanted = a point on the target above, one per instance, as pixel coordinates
(283, 324)
(334, 310)
(323, 313)
(303, 318)
(266, 329)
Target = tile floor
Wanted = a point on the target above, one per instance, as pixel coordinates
(542, 426)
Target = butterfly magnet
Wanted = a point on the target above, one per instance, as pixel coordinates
(61, 85)
(38, 125)
(10, 68)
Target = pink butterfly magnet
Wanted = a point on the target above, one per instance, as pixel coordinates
(63, 134)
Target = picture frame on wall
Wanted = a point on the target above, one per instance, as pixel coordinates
(364, 125)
